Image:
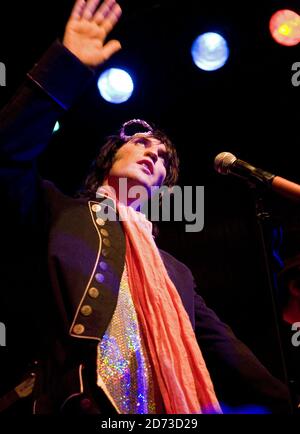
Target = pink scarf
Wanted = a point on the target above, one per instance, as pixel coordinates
(183, 379)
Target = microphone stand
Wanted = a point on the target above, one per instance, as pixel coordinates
(266, 230)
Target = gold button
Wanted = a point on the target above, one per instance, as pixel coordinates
(78, 329)
(106, 242)
(103, 265)
(93, 292)
(96, 208)
(104, 232)
(100, 222)
(86, 310)
(104, 253)
(99, 277)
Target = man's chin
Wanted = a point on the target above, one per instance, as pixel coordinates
(139, 181)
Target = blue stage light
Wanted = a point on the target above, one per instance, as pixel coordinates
(115, 85)
(210, 51)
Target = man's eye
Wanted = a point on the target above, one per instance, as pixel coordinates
(140, 142)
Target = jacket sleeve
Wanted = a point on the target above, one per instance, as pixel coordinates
(27, 121)
(238, 376)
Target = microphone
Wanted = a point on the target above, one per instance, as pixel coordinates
(226, 163)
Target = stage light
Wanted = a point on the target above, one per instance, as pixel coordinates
(210, 51)
(56, 127)
(115, 85)
(247, 409)
(285, 27)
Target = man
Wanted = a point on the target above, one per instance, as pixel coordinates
(108, 316)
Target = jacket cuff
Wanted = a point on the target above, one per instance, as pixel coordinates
(61, 75)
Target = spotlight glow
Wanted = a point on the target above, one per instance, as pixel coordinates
(210, 51)
(56, 127)
(115, 85)
(285, 27)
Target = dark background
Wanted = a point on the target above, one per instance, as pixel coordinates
(249, 108)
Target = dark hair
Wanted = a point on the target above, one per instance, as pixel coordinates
(104, 161)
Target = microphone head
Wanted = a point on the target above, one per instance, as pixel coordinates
(223, 162)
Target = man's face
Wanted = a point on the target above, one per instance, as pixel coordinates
(141, 160)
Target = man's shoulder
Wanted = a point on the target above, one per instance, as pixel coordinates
(56, 199)
(170, 261)
(52, 192)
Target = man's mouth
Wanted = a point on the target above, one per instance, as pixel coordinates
(147, 165)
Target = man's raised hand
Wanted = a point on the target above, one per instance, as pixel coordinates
(87, 29)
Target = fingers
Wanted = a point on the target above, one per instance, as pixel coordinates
(111, 18)
(86, 9)
(107, 14)
(104, 10)
(78, 9)
(110, 48)
(89, 10)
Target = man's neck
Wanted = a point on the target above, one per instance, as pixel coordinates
(119, 190)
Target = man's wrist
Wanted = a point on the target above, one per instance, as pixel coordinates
(61, 74)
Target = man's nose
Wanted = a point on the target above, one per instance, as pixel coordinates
(152, 154)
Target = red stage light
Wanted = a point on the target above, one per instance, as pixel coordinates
(285, 27)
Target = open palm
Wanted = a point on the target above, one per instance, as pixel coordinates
(87, 29)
